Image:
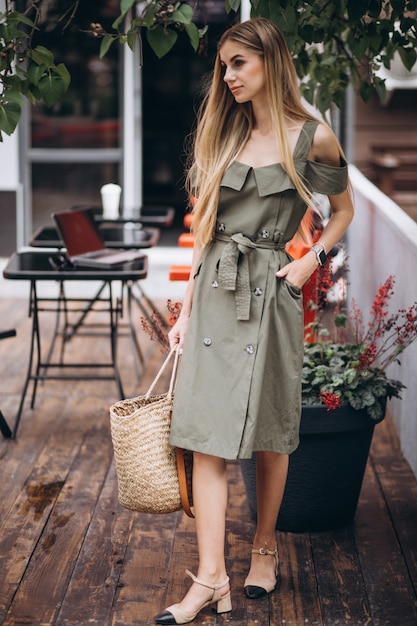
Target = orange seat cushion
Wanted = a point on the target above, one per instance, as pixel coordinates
(188, 220)
(186, 240)
(179, 272)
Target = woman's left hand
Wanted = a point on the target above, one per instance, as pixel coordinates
(299, 271)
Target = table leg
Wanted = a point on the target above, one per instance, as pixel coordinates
(33, 311)
(114, 319)
(75, 327)
(39, 371)
(4, 427)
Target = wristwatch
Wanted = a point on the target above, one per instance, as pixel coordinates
(320, 254)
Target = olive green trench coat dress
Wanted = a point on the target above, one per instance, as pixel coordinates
(239, 383)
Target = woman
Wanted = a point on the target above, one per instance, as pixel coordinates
(258, 157)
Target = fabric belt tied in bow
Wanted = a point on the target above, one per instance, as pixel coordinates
(233, 271)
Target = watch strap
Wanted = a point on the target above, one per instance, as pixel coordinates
(320, 253)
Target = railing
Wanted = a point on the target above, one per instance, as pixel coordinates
(382, 241)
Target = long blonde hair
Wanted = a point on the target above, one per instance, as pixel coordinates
(224, 126)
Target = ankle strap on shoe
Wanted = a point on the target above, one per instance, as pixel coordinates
(214, 586)
(266, 552)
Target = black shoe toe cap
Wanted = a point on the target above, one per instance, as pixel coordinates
(253, 593)
(165, 618)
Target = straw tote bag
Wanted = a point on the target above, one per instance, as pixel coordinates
(153, 476)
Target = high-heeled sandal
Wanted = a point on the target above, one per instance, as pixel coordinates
(256, 588)
(174, 615)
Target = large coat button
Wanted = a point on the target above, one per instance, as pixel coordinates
(215, 284)
(257, 291)
(265, 234)
(250, 349)
(207, 341)
(222, 227)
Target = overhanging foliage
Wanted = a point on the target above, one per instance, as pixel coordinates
(334, 43)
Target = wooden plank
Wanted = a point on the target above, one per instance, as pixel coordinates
(340, 586)
(296, 601)
(184, 556)
(240, 530)
(146, 568)
(238, 507)
(239, 544)
(385, 572)
(18, 456)
(96, 575)
(49, 571)
(26, 520)
(14, 352)
(399, 488)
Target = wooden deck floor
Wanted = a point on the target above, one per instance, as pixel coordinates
(70, 555)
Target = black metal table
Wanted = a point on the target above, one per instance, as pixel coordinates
(148, 215)
(119, 234)
(39, 266)
(115, 235)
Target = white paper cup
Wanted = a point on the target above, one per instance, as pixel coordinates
(110, 200)
(129, 232)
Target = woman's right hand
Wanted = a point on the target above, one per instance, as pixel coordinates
(177, 333)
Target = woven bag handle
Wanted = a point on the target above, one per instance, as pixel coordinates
(161, 371)
(182, 475)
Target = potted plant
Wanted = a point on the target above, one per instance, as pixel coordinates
(345, 389)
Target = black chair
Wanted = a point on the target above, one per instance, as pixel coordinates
(4, 427)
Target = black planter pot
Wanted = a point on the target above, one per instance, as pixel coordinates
(325, 472)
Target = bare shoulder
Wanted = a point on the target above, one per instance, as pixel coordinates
(325, 147)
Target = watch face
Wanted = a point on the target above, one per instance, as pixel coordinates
(322, 257)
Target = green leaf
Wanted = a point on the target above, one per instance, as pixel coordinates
(375, 411)
(4, 33)
(407, 23)
(232, 5)
(356, 9)
(284, 18)
(10, 111)
(64, 74)
(323, 99)
(131, 39)
(341, 320)
(149, 17)
(306, 31)
(307, 92)
(161, 40)
(106, 42)
(183, 14)
(35, 72)
(125, 6)
(408, 57)
(16, 18)
(194, 35)
(365, 91)
(358, 46)
(25, 20)
(380, 88)
(42, 55)
(51, 88)
(398, 6)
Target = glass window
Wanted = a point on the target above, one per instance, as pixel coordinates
(58, 186)
(87, 116)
